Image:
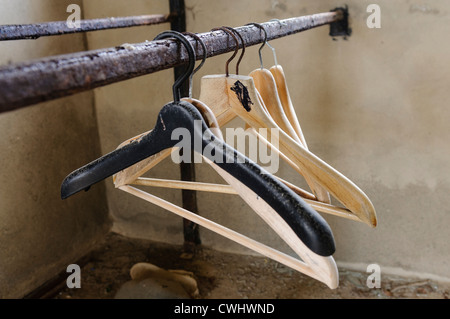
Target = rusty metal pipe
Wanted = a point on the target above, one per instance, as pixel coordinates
(35, 31)
(55, 77)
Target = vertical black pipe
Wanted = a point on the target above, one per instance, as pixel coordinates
(187, 170)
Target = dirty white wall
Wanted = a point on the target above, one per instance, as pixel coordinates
(129, 108)
(375, 107)
(40, 234)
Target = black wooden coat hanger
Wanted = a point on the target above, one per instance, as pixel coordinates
(300, 225)
(308, 225)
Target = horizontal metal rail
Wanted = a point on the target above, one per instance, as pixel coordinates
(35, 31)
(55, 77)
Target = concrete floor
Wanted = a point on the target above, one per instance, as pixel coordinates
(229, 276)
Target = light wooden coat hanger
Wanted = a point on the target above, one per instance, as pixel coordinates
(231, 96)
(267, 88)
(287, 116)
(283, 93)
(306, 232)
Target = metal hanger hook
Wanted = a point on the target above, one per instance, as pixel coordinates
(235, 50)
(205, 54)
(192, 57)
(271, 47)
(243, 47)
(264, 43)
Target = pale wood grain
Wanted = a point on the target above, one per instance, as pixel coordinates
(227, 189)
(286, 102)
(267, 88)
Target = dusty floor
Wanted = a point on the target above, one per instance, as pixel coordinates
(228, 276)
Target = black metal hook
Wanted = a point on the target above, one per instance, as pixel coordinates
(192, 57)
(243, 47)
(236, 48)
(264, 43)
(205, 54)
(205, 51)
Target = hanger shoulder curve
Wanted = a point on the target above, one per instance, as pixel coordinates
(286, 102)
(267, 88)
(135, 151)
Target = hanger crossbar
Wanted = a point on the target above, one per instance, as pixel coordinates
(197, 186)
(227, 189)
(254, 245)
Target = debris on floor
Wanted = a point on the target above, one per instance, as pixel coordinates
(152, 282)
(133, 268)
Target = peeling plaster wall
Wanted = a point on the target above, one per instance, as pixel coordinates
(40, 234)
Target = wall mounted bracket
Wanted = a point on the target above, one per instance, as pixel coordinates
(340, 28)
